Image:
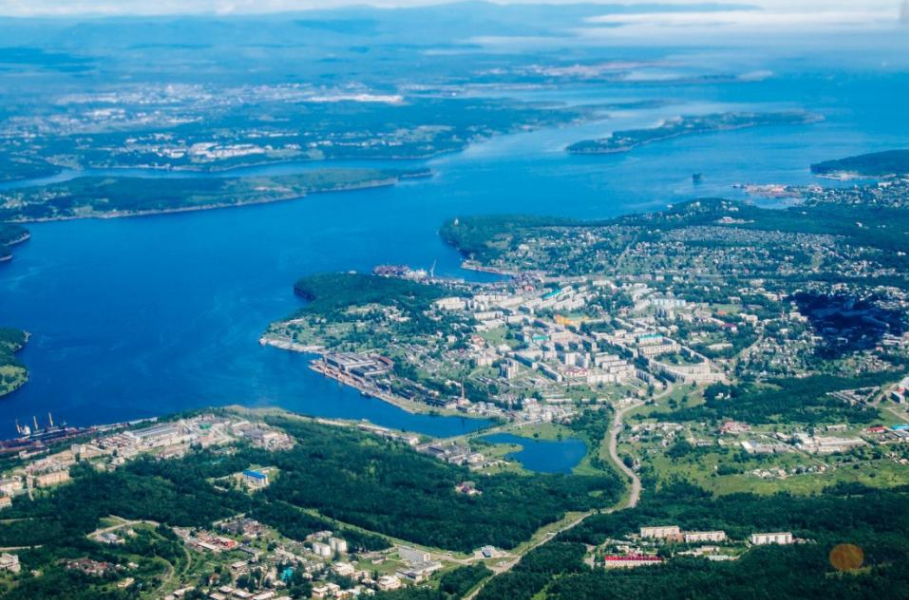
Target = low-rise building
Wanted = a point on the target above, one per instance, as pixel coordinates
(386, 583)
(630, 561)
(343, 569)
(255, 479)
(413, 555)
(660, 532)
(51, 479)
(692, 537)
(418, 572)
(9, 562)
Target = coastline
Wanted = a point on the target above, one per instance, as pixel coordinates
(25, 373)
(378, 183)
(5, 247)
(290, 346)
(319, 367)
(472, 265)
(19, 240)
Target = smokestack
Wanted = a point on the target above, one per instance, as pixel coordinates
(18, 429)
(50, 419)
(35, 421)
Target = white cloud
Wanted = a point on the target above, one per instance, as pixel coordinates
(801, 20)
(742, 18)
(163, 7)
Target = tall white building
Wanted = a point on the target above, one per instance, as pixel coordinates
(764, 539)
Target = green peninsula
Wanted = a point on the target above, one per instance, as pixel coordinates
(131, 196)
(875, 164)
(13, 373)
(625, 141)
(10, 235)
(382, 316)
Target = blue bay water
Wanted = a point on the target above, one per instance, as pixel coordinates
(144, 316)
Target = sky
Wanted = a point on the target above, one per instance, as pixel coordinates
(786, 11)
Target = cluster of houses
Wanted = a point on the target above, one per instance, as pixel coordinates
(322, 559)
(164, 440)
(551, 349)
(632, 556)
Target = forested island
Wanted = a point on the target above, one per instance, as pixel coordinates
(13, 373)
(624, 141)
(133, 196)
(10, 235)
(875, 164)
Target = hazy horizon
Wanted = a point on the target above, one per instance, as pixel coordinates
(883, 9)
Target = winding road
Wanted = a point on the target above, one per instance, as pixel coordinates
(541, 537)
(618, 423)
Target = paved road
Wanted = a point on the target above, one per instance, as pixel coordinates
(617, 425)
(634, 497)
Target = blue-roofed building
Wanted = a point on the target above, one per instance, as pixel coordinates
(255, 479)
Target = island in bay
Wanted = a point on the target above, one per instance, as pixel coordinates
(625, 141)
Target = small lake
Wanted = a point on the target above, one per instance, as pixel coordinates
(542, 456)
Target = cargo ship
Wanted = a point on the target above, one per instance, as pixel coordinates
(36, 437)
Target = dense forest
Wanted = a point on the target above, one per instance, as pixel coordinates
(388, 488)
(535, 570)
(332, 292)
(485, 237)
(13, 373)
